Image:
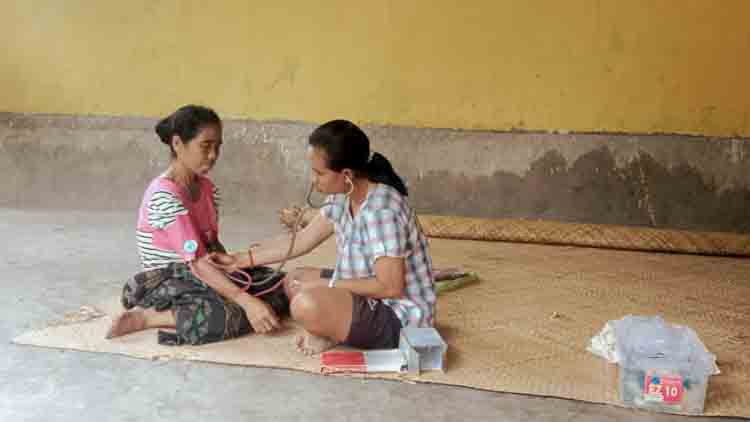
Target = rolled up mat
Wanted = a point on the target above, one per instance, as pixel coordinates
(591, 235)
(575, 234)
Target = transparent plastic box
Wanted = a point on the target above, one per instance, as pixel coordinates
(663, 367)
(423, 349)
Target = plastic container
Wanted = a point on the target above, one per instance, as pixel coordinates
(663, 367)
(423, 349)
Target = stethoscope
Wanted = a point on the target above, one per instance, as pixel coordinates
(244, 279)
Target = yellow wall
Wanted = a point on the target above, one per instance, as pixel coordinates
(578, 65)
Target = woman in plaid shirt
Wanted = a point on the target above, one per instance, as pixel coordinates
(383, 279)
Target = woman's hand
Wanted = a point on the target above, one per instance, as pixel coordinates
(260, 314)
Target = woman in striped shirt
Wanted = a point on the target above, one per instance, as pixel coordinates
(177, 224)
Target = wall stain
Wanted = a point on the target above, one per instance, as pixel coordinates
(593, 189)
(288, 73)
(106, 163)
(616, 43)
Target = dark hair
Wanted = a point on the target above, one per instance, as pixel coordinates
(347, 146)
(186, 123)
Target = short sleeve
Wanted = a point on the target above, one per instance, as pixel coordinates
(167, 213)
(386, 234)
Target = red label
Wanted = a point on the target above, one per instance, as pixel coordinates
(666, 389)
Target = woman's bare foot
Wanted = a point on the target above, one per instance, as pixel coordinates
(126, 323)
(312, 345)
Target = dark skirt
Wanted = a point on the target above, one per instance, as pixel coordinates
(201, 314)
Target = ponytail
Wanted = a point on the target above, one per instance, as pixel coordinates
(347, 146)
(380, 170)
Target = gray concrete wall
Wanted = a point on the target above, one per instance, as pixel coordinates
(665, 181)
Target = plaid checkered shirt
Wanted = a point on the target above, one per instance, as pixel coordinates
(385, 226)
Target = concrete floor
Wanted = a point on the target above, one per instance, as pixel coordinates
(54, 261)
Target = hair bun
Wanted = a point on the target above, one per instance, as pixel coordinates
(164, 130)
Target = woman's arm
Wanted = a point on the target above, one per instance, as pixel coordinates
(276, 249)
(390, 279)
(388, 283)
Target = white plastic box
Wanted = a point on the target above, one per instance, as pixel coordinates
(419, 349)
(663, 367)
(663, 390)
(423, 349)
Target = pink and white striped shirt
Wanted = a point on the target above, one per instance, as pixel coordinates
(171, 227)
